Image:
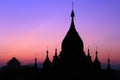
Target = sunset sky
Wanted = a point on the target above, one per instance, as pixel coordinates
(28, 27)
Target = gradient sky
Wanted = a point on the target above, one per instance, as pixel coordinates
(27, 27)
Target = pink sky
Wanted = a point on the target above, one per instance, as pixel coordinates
(28, 27)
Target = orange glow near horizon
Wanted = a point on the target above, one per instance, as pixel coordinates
(28, 29)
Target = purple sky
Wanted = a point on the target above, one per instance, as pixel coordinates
(27, 27)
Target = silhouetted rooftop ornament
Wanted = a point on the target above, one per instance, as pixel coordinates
(108, 66)
(55, 59)
(72, 13)
(47, 57)
(96, 56)
(47, 62)
(89, 53)
(35, 65)
(89, 57)
(96, 62)
(55, 52)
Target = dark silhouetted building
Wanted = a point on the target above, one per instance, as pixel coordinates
(89, 58)
(96, 63)
(13, 63)
(72, 56)
(55, 60)
(47, 63)
(70, 63)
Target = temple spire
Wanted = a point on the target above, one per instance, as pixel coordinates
(97, 64)
(72, 13)
(35, 65)
(96, 54)
(47, 54)
(108, 66)
(56, 52)
(88, 56)
(72, 5)
(47, 62)
(88, 51)
(55, 59)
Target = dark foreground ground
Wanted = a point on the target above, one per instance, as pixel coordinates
(30, 73)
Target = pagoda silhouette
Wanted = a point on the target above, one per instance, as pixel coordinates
(70, 63)
(72, 60)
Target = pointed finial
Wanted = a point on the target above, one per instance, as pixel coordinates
(88, 48)
(72, 5)
(56, 50)
(96, 50)
(96, 53)
(47, 52)
(35, 59)
(88, 51)
(72, 14)
(108, 66)
(47, 47)
(108, 56)
(108, 59)
(35, 65)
